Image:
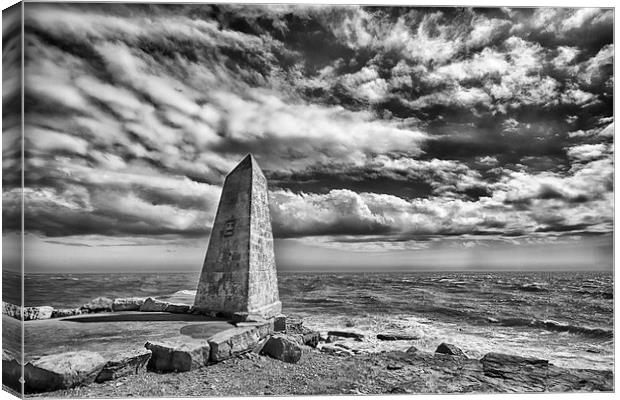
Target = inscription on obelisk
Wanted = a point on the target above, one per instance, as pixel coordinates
(239, 271)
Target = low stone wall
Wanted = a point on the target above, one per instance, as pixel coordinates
(98, 305)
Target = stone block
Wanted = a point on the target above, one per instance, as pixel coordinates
(100, 304)
(65, 312)
(153, 305)
(43, 312)
(177, 308)
(128, 303)
(62, 371)
(176, 356)
(279, 323)
(127, 363)
(235, 341)
(12, 310)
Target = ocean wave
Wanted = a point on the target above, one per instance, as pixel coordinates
(185, 292)
(531, 287)
(320, 301)
(596, 293)
(555, 326)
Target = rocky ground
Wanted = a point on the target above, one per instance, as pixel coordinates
(379, 373)
(332, 362)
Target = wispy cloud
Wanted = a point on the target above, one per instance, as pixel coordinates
(370, 122)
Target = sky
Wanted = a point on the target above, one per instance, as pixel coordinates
(392, 138)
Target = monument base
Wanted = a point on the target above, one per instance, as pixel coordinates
(266, 312)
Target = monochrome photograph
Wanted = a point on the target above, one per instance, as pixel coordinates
(227, 199)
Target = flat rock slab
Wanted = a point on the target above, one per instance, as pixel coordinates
(335, 350)
(237, 340)
(395, 337)
(109, 334)
(347, 334)
(436, 373)
(205, 330)
(177, 308)
(127, 363)
(178, 355)
(62, 371)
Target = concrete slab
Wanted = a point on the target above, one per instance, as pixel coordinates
(115, 332)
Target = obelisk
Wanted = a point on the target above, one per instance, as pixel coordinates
(239, 271)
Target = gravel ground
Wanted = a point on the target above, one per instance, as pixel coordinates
(320, 373)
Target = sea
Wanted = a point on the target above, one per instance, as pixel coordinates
(565, 317)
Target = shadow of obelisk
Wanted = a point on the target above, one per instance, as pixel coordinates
(239, 271)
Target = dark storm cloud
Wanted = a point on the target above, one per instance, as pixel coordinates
(11, 98)
(369, 122)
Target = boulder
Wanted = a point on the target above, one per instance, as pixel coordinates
(43, 312)
(412, 350)
(153, 305)
(332, 339)
(294, 326)
(283, 348)
(310, 338)
(65, 312)
(236, 341)
(347, 334)
(128, 363)
(128, 303)
(12, 310)
(177, 308)
(177, 357)
(395, 336)
(100, 304)
(11, 371)
(62, 371)
(446, 348)
(279, 323)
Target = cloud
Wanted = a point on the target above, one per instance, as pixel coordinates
(371, 123)
(343, 212)
(586, 152)
(486, 30)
